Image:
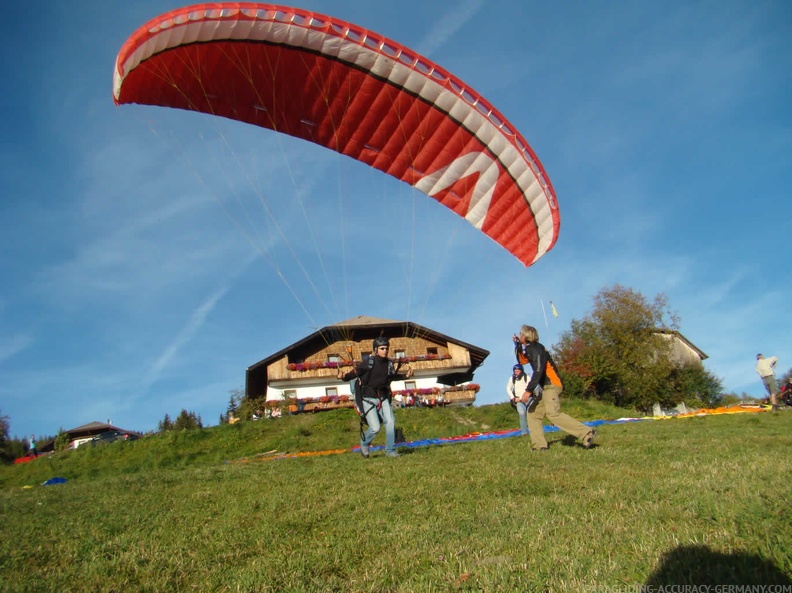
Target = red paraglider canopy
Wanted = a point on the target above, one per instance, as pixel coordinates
(341, 86)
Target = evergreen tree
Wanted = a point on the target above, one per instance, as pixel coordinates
(235, 396)
(165, 424)
(62, 441)
(187, 421)
(10, 448)
(4, 428)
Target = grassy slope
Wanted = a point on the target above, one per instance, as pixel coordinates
(702, 500)
(306, 432)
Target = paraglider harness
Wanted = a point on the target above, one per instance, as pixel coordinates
(359, 385)
(514, 393)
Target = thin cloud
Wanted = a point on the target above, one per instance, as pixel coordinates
(194, 324)
(446, 28)
(13, 345)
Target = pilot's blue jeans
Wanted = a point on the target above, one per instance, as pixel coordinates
(373, 418)
(522, 410)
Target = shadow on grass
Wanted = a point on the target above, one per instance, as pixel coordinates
(571, 441)
(698, 565)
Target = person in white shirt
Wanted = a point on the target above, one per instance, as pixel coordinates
(515, 387)
(766, 369)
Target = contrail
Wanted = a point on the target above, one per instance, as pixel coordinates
(444, 29)
(191, 328)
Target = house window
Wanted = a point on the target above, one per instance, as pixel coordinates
(400, 354)
(333, 358)
(409, 384)
(432, 350)
(331, 391)
(290, 394)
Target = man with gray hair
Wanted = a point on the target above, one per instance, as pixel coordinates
(766, 369)
(545, 374)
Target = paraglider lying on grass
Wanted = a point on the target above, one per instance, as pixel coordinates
(501, 434)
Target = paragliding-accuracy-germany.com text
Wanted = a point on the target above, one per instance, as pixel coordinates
(688, 589)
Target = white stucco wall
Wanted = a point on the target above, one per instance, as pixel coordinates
(317, 391)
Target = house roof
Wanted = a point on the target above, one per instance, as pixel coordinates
(363, 320)
(94, 428)
(362, 327)
(91, 427)
(683, 339)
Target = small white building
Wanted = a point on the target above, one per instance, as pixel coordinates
(85, 433)
(683, 352)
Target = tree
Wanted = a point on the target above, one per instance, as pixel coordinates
(235, 397)
(10, 448)
(784, 379)
(62, 441)
(187, 421)
(5, 426)
(615, 354)
(241, 406)
(165, 424)
(696, 386)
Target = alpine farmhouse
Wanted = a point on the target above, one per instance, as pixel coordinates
(303, 376)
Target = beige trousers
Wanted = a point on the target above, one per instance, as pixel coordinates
(550, 407)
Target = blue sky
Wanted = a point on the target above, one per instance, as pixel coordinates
(149, 256)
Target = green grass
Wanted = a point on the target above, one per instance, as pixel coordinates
(683, 501)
